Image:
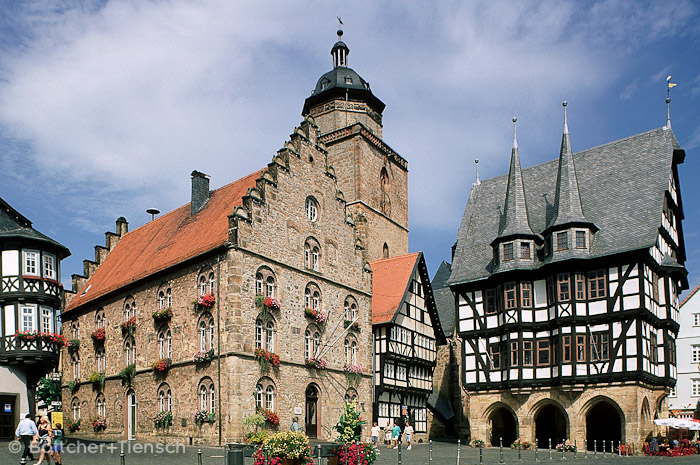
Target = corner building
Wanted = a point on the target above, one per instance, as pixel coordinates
(566, 276)
(275, 264)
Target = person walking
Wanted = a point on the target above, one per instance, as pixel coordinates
(387, 436)
(407, 434)
(375, 436)
(57, 444)
(396, 434)
(25, 432)
(295, 425)
(44, 436)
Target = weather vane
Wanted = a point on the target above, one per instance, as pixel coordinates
(339, 20)
(668, 87)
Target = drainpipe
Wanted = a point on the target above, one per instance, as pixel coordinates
(218, 337)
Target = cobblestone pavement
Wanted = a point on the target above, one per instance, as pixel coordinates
(89, 453)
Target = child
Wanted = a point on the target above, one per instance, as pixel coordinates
(57, 444)
(408, 432)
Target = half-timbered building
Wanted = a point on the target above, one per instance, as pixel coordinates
(407, 333)
(31, 297)
(566, 276)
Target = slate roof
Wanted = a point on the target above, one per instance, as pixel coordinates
(166, 241)
(444, 299)
(391, 280)
(14, 225)
(621, 187)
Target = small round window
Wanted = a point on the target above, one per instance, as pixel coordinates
(311, 209)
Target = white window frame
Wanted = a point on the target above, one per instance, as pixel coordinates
(696, 319)
(30, 262)
(28, 318)
(49, 265)
(695, 388)
(311, 209)
(695, 353)
(47, 323)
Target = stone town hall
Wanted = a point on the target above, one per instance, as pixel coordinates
(258, 295)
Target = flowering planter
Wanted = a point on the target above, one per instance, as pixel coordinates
(161, 367)
(319, 364)
(204, 302)
(355, 325)
(266, 359)
(318, 315)
(98, 335)
(203, 356)
(162, 315)
(129, 326)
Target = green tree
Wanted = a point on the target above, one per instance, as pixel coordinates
(46, 390)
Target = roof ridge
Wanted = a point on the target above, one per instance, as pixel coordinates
(396, 257)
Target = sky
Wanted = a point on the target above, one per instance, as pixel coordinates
(106, 107)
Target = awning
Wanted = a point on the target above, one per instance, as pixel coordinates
(679, 423)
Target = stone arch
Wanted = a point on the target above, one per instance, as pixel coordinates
(551, 422)
(504, 423)
(605, 422)
(645, 420)
(312, 410)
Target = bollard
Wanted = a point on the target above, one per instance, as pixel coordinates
(536, 448)
(345, 448)
(23, 461)
(550, 448)
(199, 456)
(481, 455)
(595, 448)
(318, 455)
(603, 448)
(122, 458)
(585, 448)
(430, 453)
(619, 448)
(563, 447)
(500, 450)
(575, 450)
(459, 447)
(399, 453)
(519, 457)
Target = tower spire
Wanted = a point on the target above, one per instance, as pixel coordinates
(478, 181)
(567, 203)
(515, 218)
(669, 86)
(340, 51)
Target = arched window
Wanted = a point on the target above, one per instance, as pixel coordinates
(312, 297)
(265, 394)
(350, 352)
(259, 396)
(311, 343)
(350, 396)
(165, 398)
(129, 308)
(100, 319)
(202, 285)
(161, 299)
(270, 336)
(75, 406)
(165, 343)
(265, 334)
(75, 363)
(265, 282)
(207, 395)
(206, 283)
(100, 358)
(385, 251)
(75, 330)
(101, 405)
(311, 209)
(206, 331)
(130, 350)
(312, 254)
(350, 309)
(270, 398)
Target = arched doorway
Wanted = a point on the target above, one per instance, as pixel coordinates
(603, 423)
(311, 422)
(131, 415)
(503, 425)
(550, 423)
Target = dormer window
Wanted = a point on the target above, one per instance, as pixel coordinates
(580, 239)
(508, 251)
(562, 241)
(525, 250)
(348, 80)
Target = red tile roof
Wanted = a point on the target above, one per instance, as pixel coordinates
(390, 280)
(165, 241)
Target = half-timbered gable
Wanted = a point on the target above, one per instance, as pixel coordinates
(573, 286)
(407, 332)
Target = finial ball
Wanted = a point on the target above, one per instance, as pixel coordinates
(564, 103)
(515, 120)
(668, 100)
(340, 33)
(476, 161)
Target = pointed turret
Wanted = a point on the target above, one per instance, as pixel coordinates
(567, 201)
(515, 221)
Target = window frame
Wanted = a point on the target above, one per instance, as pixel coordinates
(563, 287)
(581, 240)
(510, 296)
(508, 252)
(31, 262)
(311, 207)
(525, 250)
(597, 284)
(526, 294)
(562, 241)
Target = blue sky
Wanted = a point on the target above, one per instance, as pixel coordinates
(106, 107)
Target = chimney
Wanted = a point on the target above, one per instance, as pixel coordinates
(200, 191)
(122, 226)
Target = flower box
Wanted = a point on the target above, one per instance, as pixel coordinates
(73, 346)
(129, 325)
(73, 425)
(271, 418)
(161, 366)
(520, 444)
(127, 374)
(98, 335)
(97, 380)
(353, 325)
(163, 420)
(53, 338)
(353, 373)
(317, 363)
(99, 424)
(267, 303)
(266, 359)
(205, 301)
(164, 314)
(203, 356)
(319, 315)
(203, 416)
(285, 448)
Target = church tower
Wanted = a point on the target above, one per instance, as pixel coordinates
(372, 176)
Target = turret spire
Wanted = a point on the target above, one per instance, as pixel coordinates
(515, 218)
(340, 51)
(669, 86)
(478, 181)
(567, 203)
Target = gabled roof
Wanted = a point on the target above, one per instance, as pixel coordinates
(695, 291)
(621, 187)
(391, 281)
(14, 225)
(166, 241)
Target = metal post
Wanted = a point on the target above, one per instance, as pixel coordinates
(459, 447)
(318, 455)
(23, 461)
(550, 448)
(619, 448)
(430, 453)
(199, 456)
(481, 454)
(519, 456)
(122, 458)
(536, 450)
(595, 448)
(603, 448)
(585, 448)
(563, 448)
(500, 450)
(357, 452)
(575, 450)
(399, 453)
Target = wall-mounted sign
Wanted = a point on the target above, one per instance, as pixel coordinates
(297, 410)
(7, 408)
